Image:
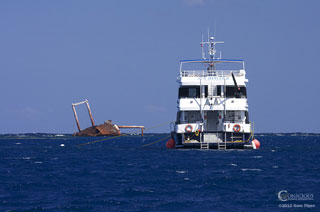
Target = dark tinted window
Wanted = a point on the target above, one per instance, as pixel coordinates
(218, 90)
(206, 91)
(231, 92)
(188, 117)
(189, 92)
(247, 117)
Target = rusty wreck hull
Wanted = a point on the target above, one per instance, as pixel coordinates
(106, 129)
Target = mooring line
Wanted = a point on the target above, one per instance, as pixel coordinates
(156, 141)
(109, 138)
(122, 135)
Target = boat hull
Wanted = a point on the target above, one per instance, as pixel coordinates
(191, 141)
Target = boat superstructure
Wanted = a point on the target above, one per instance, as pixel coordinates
(212, 103)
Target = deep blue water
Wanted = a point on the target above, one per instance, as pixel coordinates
(38, 174)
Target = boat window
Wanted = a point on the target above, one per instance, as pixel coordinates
(189, 116)
(189, 92)
(233, 116)
(231, 92)
(193, 92)
(206, 91)
(218, 90)
(247, 117)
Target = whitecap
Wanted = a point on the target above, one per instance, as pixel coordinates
(26, 158)
(61, 144)
(143, 190)
(181, 172)
(275, 167)
(18, 143)
(259, 170)
(233, 164)
(186, 178)
(273, 150)
(38, 162)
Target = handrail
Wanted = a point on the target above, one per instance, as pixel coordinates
(172, 126)
(206, 73)
(252, 129)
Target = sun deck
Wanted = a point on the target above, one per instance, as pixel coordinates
(215, 68)
(206, 73)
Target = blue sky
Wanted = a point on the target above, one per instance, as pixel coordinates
(123, 56)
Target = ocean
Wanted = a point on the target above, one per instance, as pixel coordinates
(48, 172)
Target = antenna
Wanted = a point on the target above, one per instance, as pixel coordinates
(211, 47)
(215, 29)
(201, 44)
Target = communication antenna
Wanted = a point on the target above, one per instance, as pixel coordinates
(201, 44)
(211, 46)
(215, 29)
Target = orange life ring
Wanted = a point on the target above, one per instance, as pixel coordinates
(188, 128)
(236, 128)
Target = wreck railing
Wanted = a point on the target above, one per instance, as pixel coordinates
(75, 112)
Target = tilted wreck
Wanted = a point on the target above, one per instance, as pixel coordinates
(105, 129)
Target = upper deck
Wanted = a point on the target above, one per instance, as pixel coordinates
(211, 68)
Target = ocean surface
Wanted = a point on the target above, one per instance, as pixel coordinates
(47, 172)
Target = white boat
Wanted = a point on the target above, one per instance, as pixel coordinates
(212, 103)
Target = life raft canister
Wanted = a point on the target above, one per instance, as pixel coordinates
(236, 128)
(188, 128)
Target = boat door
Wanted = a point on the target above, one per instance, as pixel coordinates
(212, 120)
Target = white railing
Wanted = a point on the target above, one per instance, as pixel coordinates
(207, 73)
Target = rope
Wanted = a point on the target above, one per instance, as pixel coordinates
(121, 135)
(161, 139)
(109, 138)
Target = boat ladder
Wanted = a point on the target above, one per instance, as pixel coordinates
(222, 145)
(204, 145)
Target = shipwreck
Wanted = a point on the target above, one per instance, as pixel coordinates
(105, 129)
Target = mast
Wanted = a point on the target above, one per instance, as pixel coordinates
(211, 50)
(211, 47)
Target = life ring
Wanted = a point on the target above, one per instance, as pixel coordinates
(236, 128)
(188, 128)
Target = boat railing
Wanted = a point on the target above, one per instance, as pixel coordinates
(252, 128)
(209, 73)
